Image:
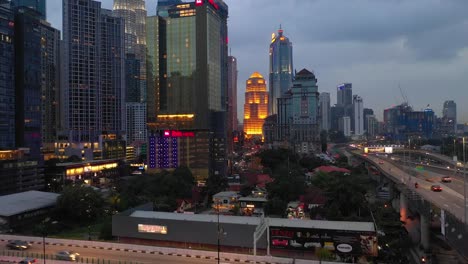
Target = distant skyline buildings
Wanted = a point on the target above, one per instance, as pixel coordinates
(325, 115)
(281, 68)
(38, 5)
(358, 117)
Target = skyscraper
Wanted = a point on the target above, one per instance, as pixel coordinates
(450, 111)
(358, 115)
(38, 5)
(298, 113)
(255, 106)
(325, 115)
(232, 100)
(7, 85)
(281, 69)
(93, 78)
(344, 94)
(187, 99)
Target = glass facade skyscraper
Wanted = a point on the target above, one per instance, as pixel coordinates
(187, 87)
(281, 69)
(38, 5)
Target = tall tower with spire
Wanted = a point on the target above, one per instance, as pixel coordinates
(281, 68)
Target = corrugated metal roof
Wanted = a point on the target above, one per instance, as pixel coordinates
(17, 203)
(274, 222)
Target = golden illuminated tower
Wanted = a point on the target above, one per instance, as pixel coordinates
(255, 106)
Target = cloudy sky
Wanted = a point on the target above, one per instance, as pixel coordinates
(378, 45)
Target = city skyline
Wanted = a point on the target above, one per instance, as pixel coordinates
(421, 51)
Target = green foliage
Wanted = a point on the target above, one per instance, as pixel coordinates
(272, 158)
(105, 233)
(215, 184)
(311, 162)
(162, 189)
(275, 206)
(79, 204)
(337, 137)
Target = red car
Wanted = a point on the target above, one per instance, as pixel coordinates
(280, 242)
(436, 188)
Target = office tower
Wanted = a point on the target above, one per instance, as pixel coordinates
(28, 78)
(367, 112)
(232, 100)
(402, 123)
(134, 14)
(358, 115)
(93, 80)
(345, 125)
(449, 118)
(38, 5)
(255, 106)
(187, 91)
(344, 93)
(336, 112)
(298, 112)
(7, 85)
(270, 127)
(372, 126)
(324, 101)
(281, 69)
(50, 84)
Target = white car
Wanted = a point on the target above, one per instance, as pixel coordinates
(294, 243)
(67, 255)
(312, 244)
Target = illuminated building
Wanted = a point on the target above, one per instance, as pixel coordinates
(281, 69)
(134, 14)
(187, 86)
(93, 100)
(255, 106)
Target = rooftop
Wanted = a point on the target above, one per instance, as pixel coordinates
(225, 194)
(17, 203)
(274, 222)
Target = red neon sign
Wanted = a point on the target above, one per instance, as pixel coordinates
(177, 133)
(212, 2)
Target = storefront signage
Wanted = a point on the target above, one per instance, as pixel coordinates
(177, 133)
(156, 229)
(345, 248)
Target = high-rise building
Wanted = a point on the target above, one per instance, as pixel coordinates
(93, 77)
(187, 91)
(50, 85)
(134, 14)
(449, 118)
(324, 101)
(336, 112)
(281, 69)
(38, 5)
(372, 126)
(344, 94)
(255, 106)
(402, 123)
(7, 85)
(367, 112)
(358, 115)
(450, 110)
(298, 110)
(232, 101)
(345, 125)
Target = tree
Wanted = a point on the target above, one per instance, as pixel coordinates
(79, 204)
(275, 206)
(215, 184)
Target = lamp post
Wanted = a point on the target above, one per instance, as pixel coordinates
(219, 247)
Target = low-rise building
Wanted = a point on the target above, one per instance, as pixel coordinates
(225, 201)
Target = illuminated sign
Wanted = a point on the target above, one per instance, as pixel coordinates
(157, 229)
(177, 133)
(212, 2)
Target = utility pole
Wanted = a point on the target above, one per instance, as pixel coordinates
(464, 181)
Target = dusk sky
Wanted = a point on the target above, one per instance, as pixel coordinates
(377, 45)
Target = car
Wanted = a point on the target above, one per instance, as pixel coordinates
(28, 261)
(67, 255)
(446, 179)
(280, 242)
(18, 244)
(312, 244)
(436, 188)
(381, 162)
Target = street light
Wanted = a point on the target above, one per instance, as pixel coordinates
(464, 181)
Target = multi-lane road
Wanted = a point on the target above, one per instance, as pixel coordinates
(449, 199)
(115, 257)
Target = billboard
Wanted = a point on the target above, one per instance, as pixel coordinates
(339, 241)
